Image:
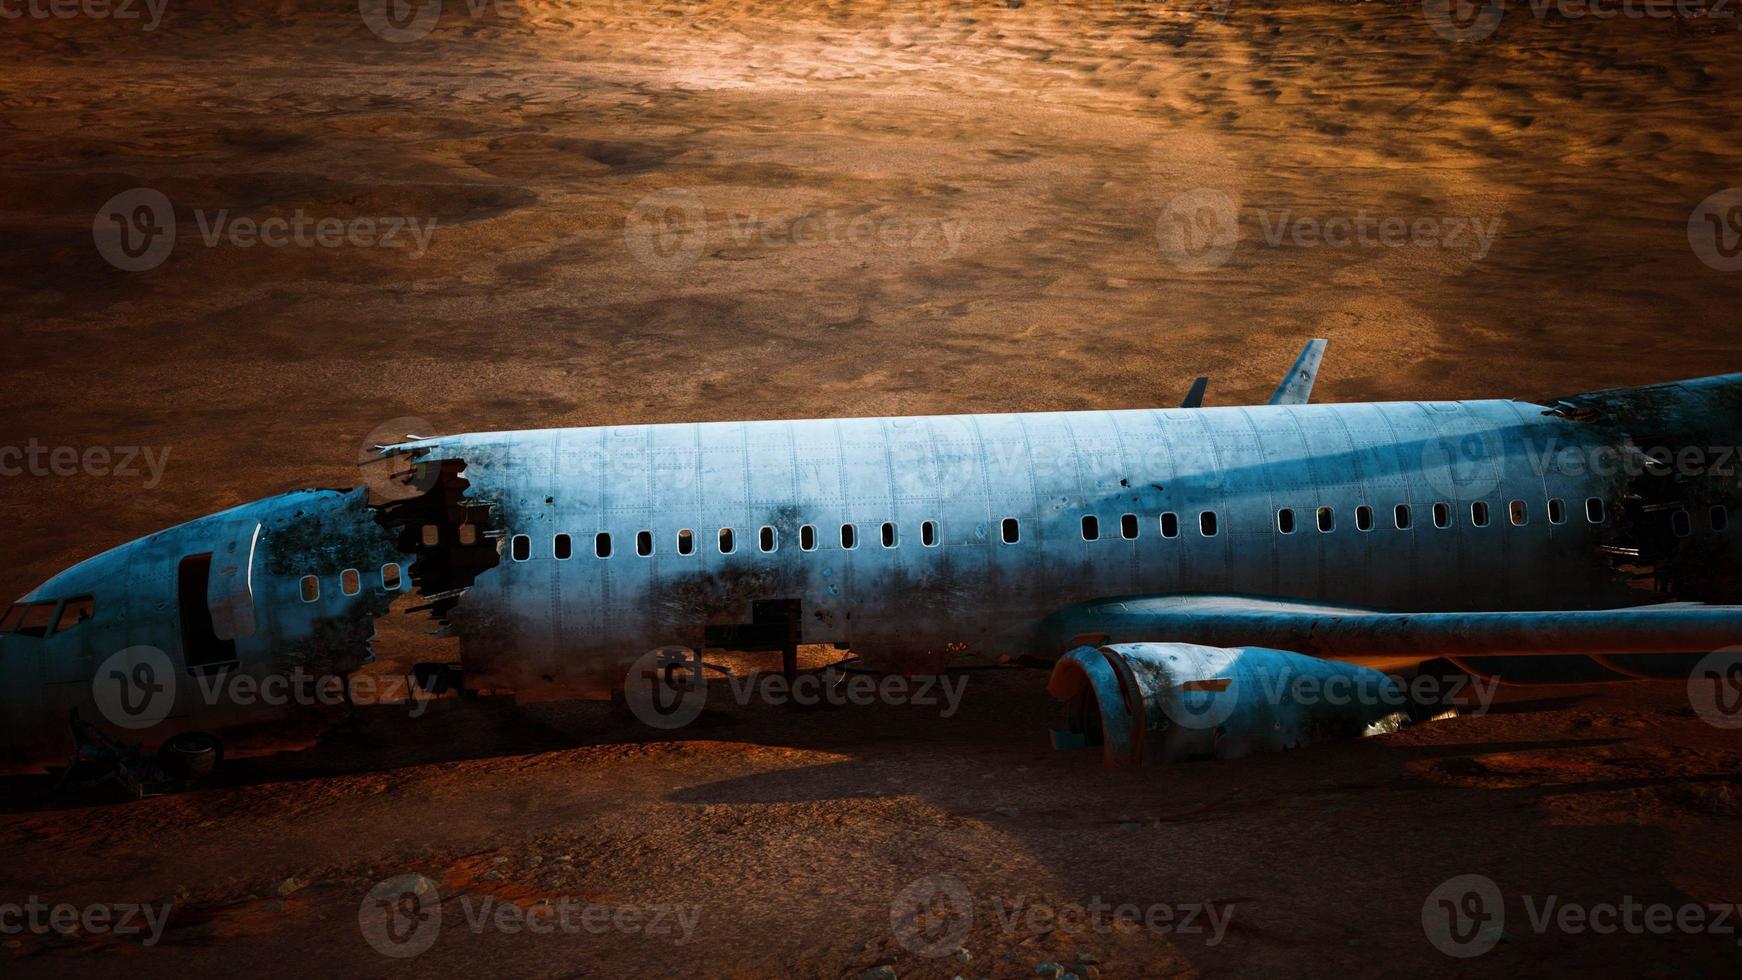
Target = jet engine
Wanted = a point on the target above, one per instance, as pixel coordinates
(1161, 702)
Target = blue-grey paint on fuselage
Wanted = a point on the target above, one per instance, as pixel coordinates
(975, 596)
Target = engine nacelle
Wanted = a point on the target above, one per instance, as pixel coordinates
(1157, 702)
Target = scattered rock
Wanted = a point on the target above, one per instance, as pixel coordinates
(291, 886)
(879, 973)
(1049, 970)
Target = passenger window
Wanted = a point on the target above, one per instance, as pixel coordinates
(807, 537)
(468, 534)
(728, 543)
(849, 537)
(1285, 520)
(1557, 511)
(1327, 519)
(1364, 518)
(1091, 527)
(686, 542)
(1479, 513)
(13, 615)
(888, 534)
(1519, 513)
(644, 543)
(1442, 515)
(1594, 510)
(602, 544)
(562, 548)
(1207, 523)
(1170, 525)
(520, 547)
(350, 583)
(1720, 518)
(38, 616)
(432, 535)
(311, 588)
(928, 534)
(765, 539)
(1682, 522)
(1402, 517)
(1128, 527)
(76, 611)
(1010, 530)
(391, 577)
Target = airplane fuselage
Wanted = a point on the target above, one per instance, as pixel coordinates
(559, 556)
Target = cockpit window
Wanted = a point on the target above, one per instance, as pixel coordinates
(38, 616)
(12, 616)
(77, 610)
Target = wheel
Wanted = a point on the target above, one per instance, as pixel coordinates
(190, 755)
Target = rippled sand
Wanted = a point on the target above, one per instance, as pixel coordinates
(865, 209)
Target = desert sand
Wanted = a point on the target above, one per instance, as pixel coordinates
(671, 211)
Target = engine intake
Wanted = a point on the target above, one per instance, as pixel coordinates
(1161, 702)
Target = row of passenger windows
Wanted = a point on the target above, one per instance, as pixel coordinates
(726, 541)
(1010, 529)
(392, 579)
(48, 617)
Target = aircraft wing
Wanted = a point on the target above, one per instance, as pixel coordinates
(1367, 635)
(1157, 678)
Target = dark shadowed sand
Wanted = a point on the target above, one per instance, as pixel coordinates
(656, 212)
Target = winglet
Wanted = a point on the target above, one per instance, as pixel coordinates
(1297, 387)
(1195, 397)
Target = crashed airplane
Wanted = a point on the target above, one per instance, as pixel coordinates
(1179, 567)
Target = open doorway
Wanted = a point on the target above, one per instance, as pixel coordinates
(200, 647)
